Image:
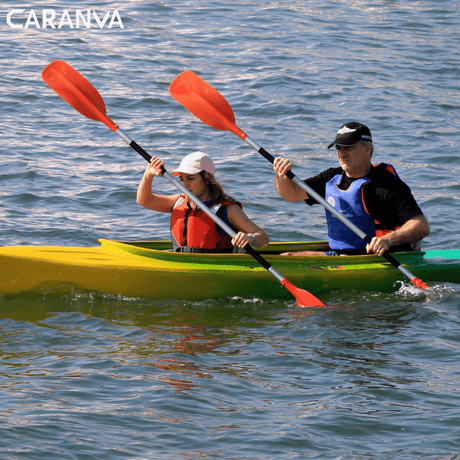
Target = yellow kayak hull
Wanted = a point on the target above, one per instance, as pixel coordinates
(149, 270)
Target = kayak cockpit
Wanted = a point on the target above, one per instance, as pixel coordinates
(145, 248)
(162, 250)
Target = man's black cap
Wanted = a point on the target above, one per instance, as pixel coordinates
(351, 133)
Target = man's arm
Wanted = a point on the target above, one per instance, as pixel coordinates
(287, 189)
(412, 231)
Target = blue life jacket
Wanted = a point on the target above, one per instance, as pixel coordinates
(350, 203)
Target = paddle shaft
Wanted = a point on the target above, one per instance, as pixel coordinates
(336, 213)
(201, 205)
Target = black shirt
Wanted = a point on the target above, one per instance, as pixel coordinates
(387, 198)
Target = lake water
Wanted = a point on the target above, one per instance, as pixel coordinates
(91, 376)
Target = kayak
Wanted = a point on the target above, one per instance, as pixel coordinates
(149, 269)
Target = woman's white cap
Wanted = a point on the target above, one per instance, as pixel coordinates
(196, 162)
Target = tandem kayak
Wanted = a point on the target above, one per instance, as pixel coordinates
(150, 270)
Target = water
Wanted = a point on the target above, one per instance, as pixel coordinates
(95, 376)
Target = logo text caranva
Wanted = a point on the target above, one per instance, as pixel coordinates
(54, 19)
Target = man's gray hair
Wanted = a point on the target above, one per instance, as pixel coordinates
(364, 143)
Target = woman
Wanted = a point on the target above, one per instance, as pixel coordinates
(191, 229)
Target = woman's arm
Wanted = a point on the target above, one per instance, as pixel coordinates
(244, 225)
(149, 200)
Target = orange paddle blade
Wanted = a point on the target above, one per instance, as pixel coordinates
(303, 298)
(75, 89)
(419, 283)
(205, 102)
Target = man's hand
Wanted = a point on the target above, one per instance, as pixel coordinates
(378, 246)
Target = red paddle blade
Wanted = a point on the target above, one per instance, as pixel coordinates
(205, 102)
(75, 89)
(303, 298)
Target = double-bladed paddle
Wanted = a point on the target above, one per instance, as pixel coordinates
(207, 104)
(84, 97)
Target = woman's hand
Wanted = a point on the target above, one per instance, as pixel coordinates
(243, 239)
(155, 167)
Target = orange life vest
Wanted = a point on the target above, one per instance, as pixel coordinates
(194, 231)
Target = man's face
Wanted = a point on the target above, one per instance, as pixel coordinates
(355, 160)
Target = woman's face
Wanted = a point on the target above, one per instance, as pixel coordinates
(195, 184)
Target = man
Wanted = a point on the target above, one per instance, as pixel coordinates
(374, 198)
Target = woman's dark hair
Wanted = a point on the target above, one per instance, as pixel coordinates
(215, 189)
